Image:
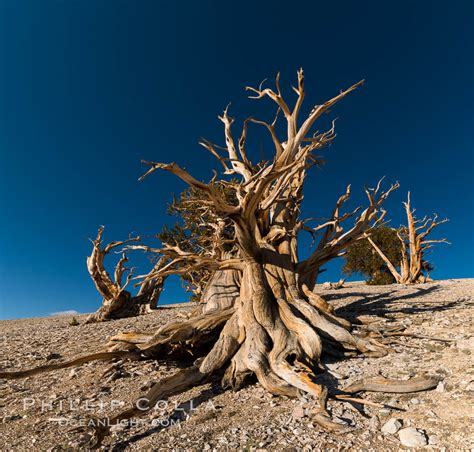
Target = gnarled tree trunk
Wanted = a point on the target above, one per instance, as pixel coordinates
(222, 291)
(261, 316)
(276, 327)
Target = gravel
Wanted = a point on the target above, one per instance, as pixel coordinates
(208, 418)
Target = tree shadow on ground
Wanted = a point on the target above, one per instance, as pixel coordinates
(377, 304)
(389, 302)
(181, 413)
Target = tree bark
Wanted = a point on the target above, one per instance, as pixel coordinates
(260, 315)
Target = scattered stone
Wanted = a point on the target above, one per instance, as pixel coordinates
(374, 423)
(117, 428)
(298, 412)
(338, 420)
(36, 355)
(391, 426)
(115, 376)
(270, 423)
(81, 441)
(10, 418)
(435, 347)
(411, 437)
(466, 344)
(469, 386)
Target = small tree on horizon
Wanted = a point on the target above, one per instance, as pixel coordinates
(414, 245)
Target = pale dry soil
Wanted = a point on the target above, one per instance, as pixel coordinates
(38, 413)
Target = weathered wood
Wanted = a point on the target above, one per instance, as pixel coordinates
(382, 384)
(260, 316)
(117, 302)
(99, 356)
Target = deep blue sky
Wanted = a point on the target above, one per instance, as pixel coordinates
(88, 88)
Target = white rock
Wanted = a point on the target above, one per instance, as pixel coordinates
(81, 441)
(440, 387)
(374, 424)
(391, 426)
(117, 428)
(411, 437)
(469, 386)
(298, 412)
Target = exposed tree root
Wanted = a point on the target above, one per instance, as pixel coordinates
(175, 339)
(99, 356)
(280, 344)
(260, 316)
(322, 417)
(347, 398)
(418, 336)
(279, 340)
(382, 384)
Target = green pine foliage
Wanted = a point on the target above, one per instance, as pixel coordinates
(192, 230)
(362, 258)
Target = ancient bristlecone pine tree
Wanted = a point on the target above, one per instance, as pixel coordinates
(260, 316)
(117, 302)
(413, 246)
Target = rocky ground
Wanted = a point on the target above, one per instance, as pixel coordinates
(38, 413)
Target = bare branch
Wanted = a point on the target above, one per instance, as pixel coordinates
(238, 166)
(275, 96)
(209, 189)
(335, 240)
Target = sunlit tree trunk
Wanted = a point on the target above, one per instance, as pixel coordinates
(261, 316)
